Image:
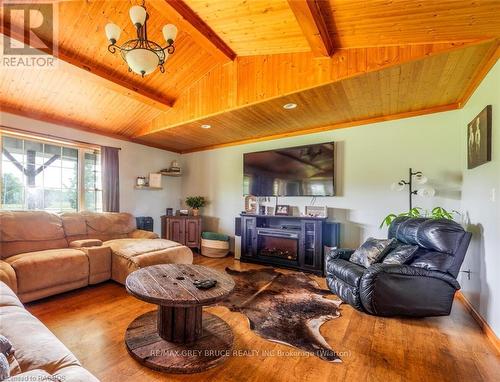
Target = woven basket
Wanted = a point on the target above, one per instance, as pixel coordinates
(214, 248)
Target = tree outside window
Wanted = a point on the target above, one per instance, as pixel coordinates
(37, 175)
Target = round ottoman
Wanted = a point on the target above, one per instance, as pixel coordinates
(214, 244)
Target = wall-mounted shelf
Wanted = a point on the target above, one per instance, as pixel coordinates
(147, 188)
(171, 173)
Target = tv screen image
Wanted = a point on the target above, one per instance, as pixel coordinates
(293, 171)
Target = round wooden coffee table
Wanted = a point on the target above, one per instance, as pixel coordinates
(178, 337)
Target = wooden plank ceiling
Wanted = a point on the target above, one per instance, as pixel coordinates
(237, 62)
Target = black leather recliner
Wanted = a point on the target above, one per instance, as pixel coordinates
(424, 287)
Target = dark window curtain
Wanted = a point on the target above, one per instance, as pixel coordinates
(110, 179)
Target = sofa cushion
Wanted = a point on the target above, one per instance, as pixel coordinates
(38, 353)
(5, 345)
(34, 345)
(440, 235)
(45, 269)
(28, 231)
(432, 261)
(132, 254)
(8, 297)
(348, 272)
(8, 275)
(75, 225)
(400, 255)
(109, 226)
(133, 247)
(4, 367)
(142, 234)
(371, 251)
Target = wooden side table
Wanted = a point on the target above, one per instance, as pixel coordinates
(178, 337)
(185, 230)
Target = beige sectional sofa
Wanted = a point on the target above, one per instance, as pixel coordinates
(38, 355)
(42, 254)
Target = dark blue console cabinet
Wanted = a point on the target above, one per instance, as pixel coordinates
(288, 241)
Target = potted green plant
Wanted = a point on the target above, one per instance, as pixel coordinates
(417, 212)
(195, 203)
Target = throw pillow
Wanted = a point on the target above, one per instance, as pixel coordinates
(371, 251)
(4, 367)
(5, 346)
(401, 255)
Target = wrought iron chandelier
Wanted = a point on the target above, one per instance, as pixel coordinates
(142, 55)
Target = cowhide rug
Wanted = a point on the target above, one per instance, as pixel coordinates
(288, 308)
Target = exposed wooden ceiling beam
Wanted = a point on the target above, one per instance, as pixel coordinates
(191, 23)
(310, 19)
(99, 75)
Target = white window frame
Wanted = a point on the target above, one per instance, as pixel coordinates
(81, 147)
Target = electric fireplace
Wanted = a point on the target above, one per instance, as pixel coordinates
(287, 241)
(278, 244)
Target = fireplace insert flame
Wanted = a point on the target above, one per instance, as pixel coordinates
(278, 252)
(278, 245)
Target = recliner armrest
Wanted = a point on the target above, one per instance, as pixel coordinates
(8, 275)
(85, 243)
(403, 290)
(340, 253)
(99, 263)
(408, 270)
(141, 234)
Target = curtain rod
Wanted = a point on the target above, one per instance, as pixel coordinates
(49, 137)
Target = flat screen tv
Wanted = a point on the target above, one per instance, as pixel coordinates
(294, 171)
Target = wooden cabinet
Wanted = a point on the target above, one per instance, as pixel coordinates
(192, 232)
(185, 230)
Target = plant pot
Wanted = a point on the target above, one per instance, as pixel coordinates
(196, 211)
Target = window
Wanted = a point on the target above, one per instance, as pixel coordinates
(42, 175)
(92, 181)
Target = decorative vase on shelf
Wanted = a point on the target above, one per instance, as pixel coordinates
(196, 211)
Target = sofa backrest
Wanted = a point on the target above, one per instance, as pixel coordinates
(97, 225)
(442, 243)
(29, 231)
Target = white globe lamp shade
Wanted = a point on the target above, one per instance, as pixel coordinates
(142, 61)
(137, 15)
(113, 32)
(420, 179)
(170, 33)
(398, 187)
(426, 192)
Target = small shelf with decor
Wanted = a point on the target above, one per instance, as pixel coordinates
(147, 188)
(173, 170)
(171, 173)
(153, 182)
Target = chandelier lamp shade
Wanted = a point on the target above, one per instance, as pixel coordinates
(142, 55)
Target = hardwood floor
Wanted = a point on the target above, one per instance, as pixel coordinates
(92, 323)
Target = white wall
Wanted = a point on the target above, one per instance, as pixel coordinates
(483, 210)
(369, 159)
(135, 160)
